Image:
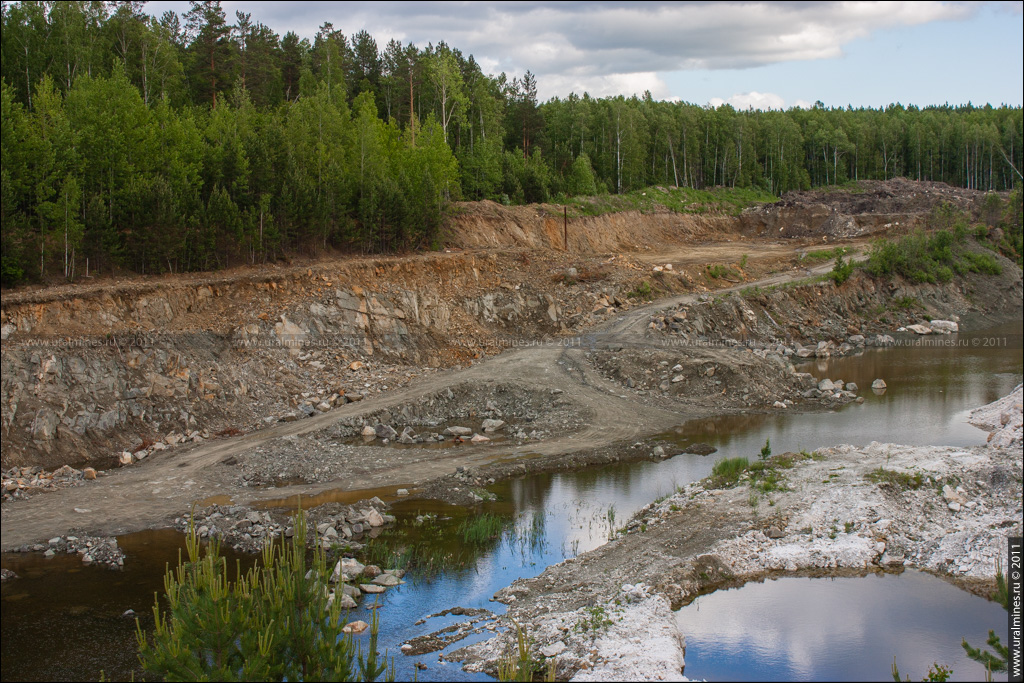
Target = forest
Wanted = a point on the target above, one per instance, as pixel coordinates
(178, 143)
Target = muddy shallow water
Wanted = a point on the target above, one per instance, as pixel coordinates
(62, 621)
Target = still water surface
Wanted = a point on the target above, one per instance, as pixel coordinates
(838, 629)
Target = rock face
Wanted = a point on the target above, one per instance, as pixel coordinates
(231, 352)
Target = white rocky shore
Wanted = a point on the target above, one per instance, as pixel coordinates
(605, 615)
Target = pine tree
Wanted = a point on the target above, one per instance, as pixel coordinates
(276, 622)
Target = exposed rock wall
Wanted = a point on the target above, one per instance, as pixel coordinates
(91, 371)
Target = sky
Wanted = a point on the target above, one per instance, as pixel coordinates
(759, 54)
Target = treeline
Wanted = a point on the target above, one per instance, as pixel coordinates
(193, 142)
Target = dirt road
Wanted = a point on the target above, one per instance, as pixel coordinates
(151, 493)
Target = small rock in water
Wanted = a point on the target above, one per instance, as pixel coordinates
(492, 425)
(374, 518)
(386, 431)
(878, 384)
(700, 449)
(387, 580)
(355, 627)
(458, 431)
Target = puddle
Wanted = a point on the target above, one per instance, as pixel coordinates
(72, 626)
(836, 629)
(386, 493)
(221, 499)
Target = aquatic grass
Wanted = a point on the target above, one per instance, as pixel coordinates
(481, 529)
(531, 538)
(431, 546)
(610, 516)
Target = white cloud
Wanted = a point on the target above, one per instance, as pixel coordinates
(758, 100)
(600, 46)
(754, 99)
(603, 86)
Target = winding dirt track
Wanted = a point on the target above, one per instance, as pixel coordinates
(165, 485)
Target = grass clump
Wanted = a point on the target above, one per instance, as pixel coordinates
(727, 472)
(720, 272)
(825, 254)
(901, 480)
(642, 291)
(520, 666)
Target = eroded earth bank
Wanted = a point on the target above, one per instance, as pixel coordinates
(360, 382)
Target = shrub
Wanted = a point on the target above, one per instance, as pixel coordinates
(929, 258)
(721, 272)
(642, 291)
(841, 271)
(275, 622)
